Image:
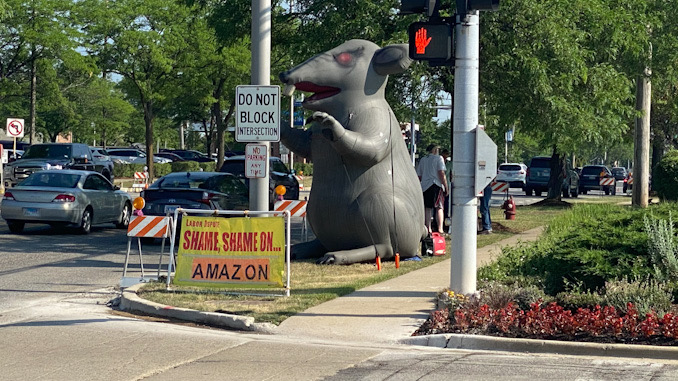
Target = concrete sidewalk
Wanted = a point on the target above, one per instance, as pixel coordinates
(386, 312)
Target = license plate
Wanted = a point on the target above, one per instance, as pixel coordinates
(31, 212)
(170, 208)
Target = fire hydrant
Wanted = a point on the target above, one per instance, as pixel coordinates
(509, 208)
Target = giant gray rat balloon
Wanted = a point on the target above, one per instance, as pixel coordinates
(366, 200)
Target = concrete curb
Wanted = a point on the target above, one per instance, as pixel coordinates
(131, 302)
(491, 343)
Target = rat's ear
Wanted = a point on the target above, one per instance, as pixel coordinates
(391, 59)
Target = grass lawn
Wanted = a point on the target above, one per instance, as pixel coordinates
(313, 284)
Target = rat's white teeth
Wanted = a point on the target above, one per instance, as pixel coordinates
(288, 90)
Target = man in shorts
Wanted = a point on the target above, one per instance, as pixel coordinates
(431, 172)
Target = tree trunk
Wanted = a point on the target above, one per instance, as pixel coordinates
(641, 141)
(33, 97)
(557, 176)
(218, 115)
(148, 120)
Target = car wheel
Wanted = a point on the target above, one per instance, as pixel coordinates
(107, 175)
(574, 193)
(582, 191)
(125, 216)
(15, 227)
(566, 193)
(86, 221)
(537, 193)
(607, 191)
(528, 191)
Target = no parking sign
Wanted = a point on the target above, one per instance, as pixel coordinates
(15, 128)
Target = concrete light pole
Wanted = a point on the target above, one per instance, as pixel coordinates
(261, 75)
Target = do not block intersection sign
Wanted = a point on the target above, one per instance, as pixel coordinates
(258, 114)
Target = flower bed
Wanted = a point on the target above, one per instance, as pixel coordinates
(551, 321)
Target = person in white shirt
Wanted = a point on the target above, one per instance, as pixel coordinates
(431, 172)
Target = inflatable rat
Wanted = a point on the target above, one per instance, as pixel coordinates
(366, 200)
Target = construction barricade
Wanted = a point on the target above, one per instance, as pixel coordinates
(149, 227)
(140, 180)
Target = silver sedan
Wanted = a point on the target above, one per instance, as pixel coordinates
(65, 197)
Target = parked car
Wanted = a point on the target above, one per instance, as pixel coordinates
(11, 156)
(62, 197)
(195, 190)
(133, 156)
(512, 173)
(278, 172)
(169, 155)
(103, 161)
(192, 155)
(621, 174)
(590, 179)
(539, 173)
(39, 157)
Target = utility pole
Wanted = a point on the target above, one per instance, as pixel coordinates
(261, 75)
(641, 138)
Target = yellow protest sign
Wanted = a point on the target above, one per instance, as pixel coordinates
(231, 252)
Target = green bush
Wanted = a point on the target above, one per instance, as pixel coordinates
(209, 166)
(662, 247)
(122, 171)
(588, 245)
(665, 177)
(185, 166)
(645, 296)
(304, 169)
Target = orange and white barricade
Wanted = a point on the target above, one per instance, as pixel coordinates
(146, 227)
(297, 208)
(300, 179)
(140, 180)
(500, 186)
(606, 181)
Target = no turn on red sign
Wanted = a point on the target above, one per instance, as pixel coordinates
(15, 128)
(258, 113)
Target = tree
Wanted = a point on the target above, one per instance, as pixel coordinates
(550, 68)
(149, 43)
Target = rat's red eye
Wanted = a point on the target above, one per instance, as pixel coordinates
(344, 58)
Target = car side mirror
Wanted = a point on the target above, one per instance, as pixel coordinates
(116, 187)
(293, 171)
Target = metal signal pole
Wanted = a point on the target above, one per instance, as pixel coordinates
(261, 75)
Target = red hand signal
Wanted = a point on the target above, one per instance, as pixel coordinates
(421, 41)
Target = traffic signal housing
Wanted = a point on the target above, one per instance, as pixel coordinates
(430, 41)
(465, 6)
(429, 7)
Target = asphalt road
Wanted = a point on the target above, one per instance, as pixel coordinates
(44, 262)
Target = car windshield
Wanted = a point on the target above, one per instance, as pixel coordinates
(236, 167)
(51, 180)
(541, 163)
(592, 170)
(225, 184)
(509, 167)
(618, 171)
(47, 152)
(181, 182)
(279, 166)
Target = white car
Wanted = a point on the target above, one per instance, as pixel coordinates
(512, 173)
(132, 156)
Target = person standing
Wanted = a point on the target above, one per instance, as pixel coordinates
(431, 172)
(485, 219)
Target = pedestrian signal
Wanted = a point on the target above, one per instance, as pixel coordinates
(430, 41)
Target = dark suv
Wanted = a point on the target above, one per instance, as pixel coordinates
(278, 175)
(539, 173)
(590, 179)
(40, 157)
